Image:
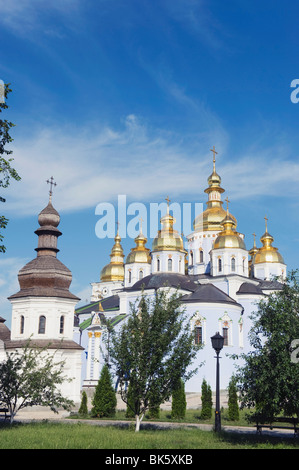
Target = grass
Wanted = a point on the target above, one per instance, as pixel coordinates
(50, 435)
(192, 417)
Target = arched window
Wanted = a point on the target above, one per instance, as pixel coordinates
(169, 264)
(158, 264)
(61, 326)
(219, 265)
(243, 263)
(140, 274)
(180, 265)
(191, 258)
(22, 322)
(198, 335)
(233, 264)
(201, 255)
(42, 325)
(130, 276)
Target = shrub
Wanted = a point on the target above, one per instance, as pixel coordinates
(83, 411)
(104, 400)
(206, 400)
(179, 404)
(233, 408)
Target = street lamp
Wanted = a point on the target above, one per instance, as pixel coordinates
(217, 344)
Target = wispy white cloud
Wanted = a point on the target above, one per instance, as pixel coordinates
(94, 164)
(25, 16)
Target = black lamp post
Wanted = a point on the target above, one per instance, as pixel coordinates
(217, 344)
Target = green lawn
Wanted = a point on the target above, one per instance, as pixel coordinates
(49, 435)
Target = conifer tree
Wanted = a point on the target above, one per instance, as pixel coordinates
(179, 403)
(206, 400)
(104, 400)
(233, 408)
(83, 411)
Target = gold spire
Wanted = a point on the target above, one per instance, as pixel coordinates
(267, 253)
(139, 254)
(212, 217)
(168, 238)
(114, 271)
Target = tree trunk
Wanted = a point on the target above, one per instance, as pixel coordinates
(138, 422)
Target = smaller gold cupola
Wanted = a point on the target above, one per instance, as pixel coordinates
(229, 237)
(114, 271)
(168, 239)
(267, 253)
(139, 254)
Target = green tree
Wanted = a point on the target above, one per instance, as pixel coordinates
(104, 400)
(269, 378)
(6, 170)
(152, 351)
(179, 403)
(83, 410)
(206, 400)
(233, 407)
(30, 377)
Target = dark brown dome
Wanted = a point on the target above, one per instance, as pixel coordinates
(46, 275)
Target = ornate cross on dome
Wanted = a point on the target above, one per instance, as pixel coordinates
(168, 201)
(227, 202)
(140, 224)
(214, 152)
(51, 183)
(266, 220)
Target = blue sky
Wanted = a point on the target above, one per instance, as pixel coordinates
(127, 97)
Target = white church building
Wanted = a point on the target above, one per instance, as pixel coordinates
(220, 282)
(219, 279)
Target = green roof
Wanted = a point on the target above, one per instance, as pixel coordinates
(86, 323)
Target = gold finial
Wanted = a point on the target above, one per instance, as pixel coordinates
(168, 201)
(214, 158)
(254, 235)
(117, 231)
(227, 202)
(140, 225)
(51, 183)
(266, 220)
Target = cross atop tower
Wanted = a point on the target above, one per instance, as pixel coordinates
(266, 220)
(168, 201)
(140, 225)
(227, 202)
(214, 152)
(51, 183)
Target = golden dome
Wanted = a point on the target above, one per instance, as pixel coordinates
(267, 253)
(139, 254)
(168, 239)
(228, 237)
(212, 217)
(114, 271)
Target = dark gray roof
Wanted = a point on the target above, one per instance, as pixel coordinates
(271, 285)
(210, 294)
(154, 281)
(250, 288)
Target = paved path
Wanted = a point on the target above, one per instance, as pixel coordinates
(40, 414)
